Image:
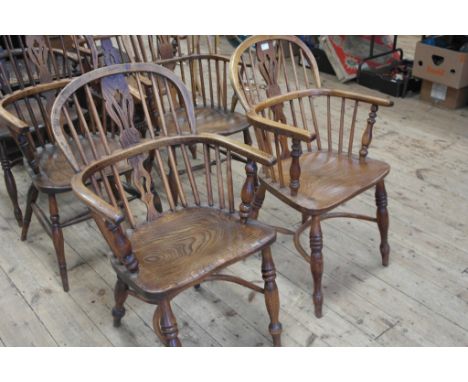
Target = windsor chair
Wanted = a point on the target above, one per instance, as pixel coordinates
(17, 71)
(157, 255)
(319, 171)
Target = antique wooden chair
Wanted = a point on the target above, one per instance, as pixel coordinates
(18, 71)
(286, 111)
(157, 255)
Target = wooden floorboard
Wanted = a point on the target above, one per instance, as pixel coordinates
(421, 299)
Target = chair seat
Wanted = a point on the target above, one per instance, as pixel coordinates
(55, 171)
(179, 248)
(210, 120)
(328, 180)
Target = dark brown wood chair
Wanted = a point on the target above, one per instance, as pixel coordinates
(313, 178)
(18, 70)
(158, 254)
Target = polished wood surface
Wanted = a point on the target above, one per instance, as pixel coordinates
(180, 248)
(328, 180)
(334, 167)
(163, 253)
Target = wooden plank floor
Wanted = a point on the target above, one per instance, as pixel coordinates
(420, 299)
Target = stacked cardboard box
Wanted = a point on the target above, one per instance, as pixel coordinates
(444, 71)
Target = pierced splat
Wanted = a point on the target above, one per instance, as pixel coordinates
(268, 65)
(120, 107)
(38, 53)
(111, 54)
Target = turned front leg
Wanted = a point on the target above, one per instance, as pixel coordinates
(120, 295)
(271, 295)
(316, 263)
(10, 183)
(165, 323)
(382, 220)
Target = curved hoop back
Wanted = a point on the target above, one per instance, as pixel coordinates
(118, 108)
(266, 66)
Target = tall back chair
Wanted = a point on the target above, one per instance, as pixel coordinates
(160, 253)
(27, 61)
(321, 138)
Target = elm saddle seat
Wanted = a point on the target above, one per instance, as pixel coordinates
(210, 120)
(55, 171)
(180, 248)
(330, 180)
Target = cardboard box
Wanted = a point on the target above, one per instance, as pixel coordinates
(444, 96)
(441, 65)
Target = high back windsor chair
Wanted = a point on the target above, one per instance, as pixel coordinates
(312, 132)
(158, 254)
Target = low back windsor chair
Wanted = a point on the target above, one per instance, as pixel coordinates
(321, 175)
(157, 255)
(18, 71)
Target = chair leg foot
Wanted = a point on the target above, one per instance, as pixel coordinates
(120, 296)
(31, 199)
(10, 184)
(165, 324)
(271, 295)
(382, 221)
(57, 238)
(316, 263)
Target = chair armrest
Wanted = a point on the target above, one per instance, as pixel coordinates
(12, 120)
(279, 128)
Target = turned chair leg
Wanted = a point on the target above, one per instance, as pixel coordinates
(259, 197)
(271, 295)
(316, 263)
(31, 199)
(120, 296)
(57, 238)
(382, 220)
(165, 324)
(10, 183)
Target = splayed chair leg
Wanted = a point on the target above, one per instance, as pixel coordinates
(382, 221)
(271, 295)
(316, 263)
(120, 296)
(165, 323)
